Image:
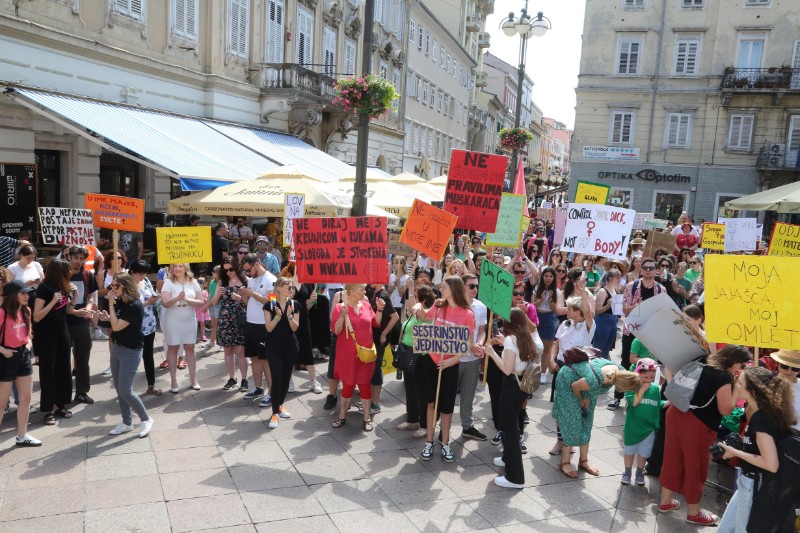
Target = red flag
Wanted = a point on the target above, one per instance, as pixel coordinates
(519, 182)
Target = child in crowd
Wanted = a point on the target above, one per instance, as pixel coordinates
(641, 420)
(212, 311)
(202, 312)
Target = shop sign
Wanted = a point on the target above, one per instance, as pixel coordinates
(611, 153)
(647, 174)
(19, 198)
(15, 118)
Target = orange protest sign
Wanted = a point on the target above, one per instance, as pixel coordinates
(116, 212)
(428, 229)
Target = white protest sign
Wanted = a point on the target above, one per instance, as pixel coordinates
(616, 304)
(66, 226)
(294, 207)
(560, 223)
(639, 220)
(597, 229)
(741, 234)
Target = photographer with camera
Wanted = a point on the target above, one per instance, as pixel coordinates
(770, 412)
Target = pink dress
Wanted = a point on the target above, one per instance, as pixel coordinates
(347, 366)
(202, 316)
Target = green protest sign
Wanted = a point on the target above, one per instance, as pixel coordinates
(509, 218)
(496, 286)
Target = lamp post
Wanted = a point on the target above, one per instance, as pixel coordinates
(359, 205)
(524, 26)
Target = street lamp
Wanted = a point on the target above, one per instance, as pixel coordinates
(523, 26)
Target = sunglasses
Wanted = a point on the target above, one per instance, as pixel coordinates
(664, 265)
(229, 270)
(561, 271)
(115, 286)
(517, 293)
(519, 272)
(472, 285)
(787, 367)
(694, 262)
(242, 253)
(247, 268)
(649, 268)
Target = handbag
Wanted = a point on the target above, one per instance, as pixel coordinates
(364, 354)
(404, 357)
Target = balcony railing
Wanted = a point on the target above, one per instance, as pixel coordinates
(776, 157)
(769, 79)
(310, 79)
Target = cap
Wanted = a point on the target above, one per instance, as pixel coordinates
(15, 286)
(262, 239)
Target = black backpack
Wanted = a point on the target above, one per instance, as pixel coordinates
(774, 503)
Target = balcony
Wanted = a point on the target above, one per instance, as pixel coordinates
(291, 79)
(777, 157)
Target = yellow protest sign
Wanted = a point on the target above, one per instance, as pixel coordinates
(190, 244)
(785, 240)
(713, 237)
(526, 221)
(752, 300)
(591, 193)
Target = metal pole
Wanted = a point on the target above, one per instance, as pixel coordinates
(517, 117)
(359, 205)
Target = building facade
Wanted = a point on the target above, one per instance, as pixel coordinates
(686, 104)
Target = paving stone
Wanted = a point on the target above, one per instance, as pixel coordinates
(123, 465)
(317, 524)
(202, 458)
(28, 503)
(67, 523)
(183, 438)
(390, 463)
(265, 476)
(281, 504)
(150, 517)
(444, 515)
(197, 483)
(509, 507)
(352, 495)
(117, 444)
(210, 512)
(120, 492)
(256, 452)
(388, 518)
(413, 488)
(328, 469)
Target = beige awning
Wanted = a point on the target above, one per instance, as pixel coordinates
(783, 199)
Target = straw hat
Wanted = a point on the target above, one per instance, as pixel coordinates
(619, 264)
(787, 357)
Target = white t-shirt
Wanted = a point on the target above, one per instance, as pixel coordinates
(192, 291)
(263, 285)
(479, 311)
(511, 344)
(576, 334)
(679, 229)
(31, 272)
(396, 296)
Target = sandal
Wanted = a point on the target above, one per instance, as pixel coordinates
(366, 425)
(49, 419)
(339, 422)
(181, 364)
(571, 475)
(64, 413)
(154, 391)
(586, 467)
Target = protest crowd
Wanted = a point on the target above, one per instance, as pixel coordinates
(540, 314)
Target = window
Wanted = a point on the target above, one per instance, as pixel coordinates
(421, 37)
(412, 30)
(793, 142)
(329, 50)
(407, 136)
(274, 38)
(426, 87)
(305, 36)
(439, 101)
(427, 44)
(432, 101)
(430, 143)
(397, 19)
(795, 82)
(620, 197)
(687, 52)
(449, 62)
(435, 52)
(238, 23)
(415, 139)
(423, 141)
(446, 105)
(349, 57)
(692, 3)
(396, 83)
(419, 87)
(441, 56)
(184, 19)
(438, 145)
(669, 204)
(678, 130)
(622, 127)
(383, 70)
(130, 8)
(628, 55)
(757, 3)
(633, 4)
(740, 132)
(411, 85)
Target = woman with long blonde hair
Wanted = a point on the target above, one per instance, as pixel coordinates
(180, 294)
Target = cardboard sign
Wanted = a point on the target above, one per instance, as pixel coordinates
(398, 248)
(591, 193)
(741, 234)
(752, 300)
(116, 212)
(595, 229)
(525, 223)
(342, 250)
(428, 229)
(64, 226)
(666, 332)
(713, 236)
(441, 339)
(474, 186)
(19, 198)
(548, 214)
(640, 219)
(187, 244)
(659, 240)
(785, 240)
(512, 207)
(495, 288)
(560, 224)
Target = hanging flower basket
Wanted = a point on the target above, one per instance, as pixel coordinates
(371, 95)
(514, 138)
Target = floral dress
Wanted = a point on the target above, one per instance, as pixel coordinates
(229, 332)
(149, 322)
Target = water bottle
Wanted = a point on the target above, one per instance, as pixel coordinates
(399, 374)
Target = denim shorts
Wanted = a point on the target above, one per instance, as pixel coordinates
(644, 448)
(213, 311)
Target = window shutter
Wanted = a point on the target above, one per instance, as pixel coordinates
(628, 61)
(275, 12)
(412, 31)
(180, 16)
(349, 57)
(238, 23)
(435, 51)
(686, 57)
(329, 45)
(305, 36)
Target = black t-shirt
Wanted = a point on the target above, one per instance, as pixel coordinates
(86, 285)
(281, 338)
(704, 395)
(758, 423)
(57, 317)
(647, 293)
(387, 314)
(219, 244)
(132, 313)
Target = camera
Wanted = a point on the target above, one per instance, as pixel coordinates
(734, 440)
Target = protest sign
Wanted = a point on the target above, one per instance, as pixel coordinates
(785, 240)
(548, 214)
(294, 206)
(659, 223)
(495, 289)
(186, 244)
(398, 248)
(441, 339)
(507, 230)
(474, 186)
(596, 229)
(713, 236)
(752, 300)
(525, 223)
(342, 250)
(19, 198)
(659, 240)
(428, 229)
(741, 234)
(591, 193)
(62, 226)
(116, 212)
(560, 224)
(640, 219)
(616, 304)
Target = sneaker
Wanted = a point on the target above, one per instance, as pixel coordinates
(230, 385)
(291, 386)
(525, 419)
(316, 387)
(107, 372)
(255, 392)
(284, 413)
(447, 454)
(83, 398)
(671, 506)
(121, 428)
(501, 481)
(522, 447)
(145, 428)
(374, 409)
(273, 422)
(626, 478)
(557, 447)
(472, 433)
(703, 518)
(100, 336)
(427, 452)
(498, 461)
(330, 402)
(27, 441)
(405, 426)
(243, 387)
(497, 440)
(543, 379)
(614, 405)
(266, 401)
(640, 478)
(421, 432)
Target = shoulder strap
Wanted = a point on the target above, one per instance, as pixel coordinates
(3, 328)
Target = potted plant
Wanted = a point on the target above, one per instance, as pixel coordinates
(367, 94)
(511, 139)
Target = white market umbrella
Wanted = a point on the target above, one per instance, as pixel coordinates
(783, 199)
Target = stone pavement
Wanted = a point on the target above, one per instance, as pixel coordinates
(210, 463)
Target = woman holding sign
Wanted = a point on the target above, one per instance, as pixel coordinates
(180, 294)
(440, 371)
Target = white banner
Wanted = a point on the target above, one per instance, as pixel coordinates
(741, 234)
(610, 153)
(65, 226)
(596, 229)
(640, 218)
(294, 207)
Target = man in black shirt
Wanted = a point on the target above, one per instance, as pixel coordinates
(219, 246)
(79, 321)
